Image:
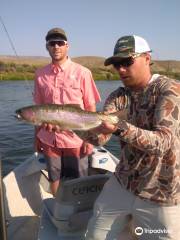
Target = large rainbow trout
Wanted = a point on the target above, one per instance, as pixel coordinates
(67, 117)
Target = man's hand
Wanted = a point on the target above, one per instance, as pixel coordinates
(55, 128)
(86, 149)
(106, 128)
(50, 127)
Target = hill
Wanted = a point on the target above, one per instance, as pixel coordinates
(25, 60)
(10, 64)
(88, 61)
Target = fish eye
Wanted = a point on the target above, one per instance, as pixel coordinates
(18, 116)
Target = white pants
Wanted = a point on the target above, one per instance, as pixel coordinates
(116, 208)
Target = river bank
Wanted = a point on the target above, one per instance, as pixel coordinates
(23, 68)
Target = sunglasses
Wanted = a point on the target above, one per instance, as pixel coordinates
(59, 43)
(126, 62)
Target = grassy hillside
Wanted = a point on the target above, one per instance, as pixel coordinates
(19, 67)
(25, 60)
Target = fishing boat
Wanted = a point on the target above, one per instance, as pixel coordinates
(31, 212)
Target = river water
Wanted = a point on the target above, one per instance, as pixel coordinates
(16, 138)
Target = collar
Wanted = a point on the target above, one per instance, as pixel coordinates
(143, 90)
(56, 68)
(153, 78)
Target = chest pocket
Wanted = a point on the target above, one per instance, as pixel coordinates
(71, 87)
(46, 91)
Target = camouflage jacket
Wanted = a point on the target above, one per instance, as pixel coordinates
(150, 141)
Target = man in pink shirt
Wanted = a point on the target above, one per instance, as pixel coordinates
(63, 82)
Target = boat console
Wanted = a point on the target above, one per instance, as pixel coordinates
(67, 215)
(72, 207)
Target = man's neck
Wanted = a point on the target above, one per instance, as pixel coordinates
(60, 62)
(143, 84)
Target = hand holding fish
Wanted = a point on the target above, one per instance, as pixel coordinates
(106, 128)
(50, 127)
(86, 149)
(54, 128)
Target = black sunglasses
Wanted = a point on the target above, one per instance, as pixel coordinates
(127, 62)
(59, 43)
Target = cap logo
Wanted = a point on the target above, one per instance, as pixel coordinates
(123, 40)
(124, 48)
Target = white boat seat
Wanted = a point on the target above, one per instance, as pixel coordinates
(103, 159)
(72, 207)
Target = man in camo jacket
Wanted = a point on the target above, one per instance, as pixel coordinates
(145, 189)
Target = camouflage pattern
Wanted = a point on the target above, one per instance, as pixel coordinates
(150, 144)
(125, 47)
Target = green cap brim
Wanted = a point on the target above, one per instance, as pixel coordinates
(116, 58)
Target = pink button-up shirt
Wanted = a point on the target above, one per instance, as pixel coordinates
(69, 83)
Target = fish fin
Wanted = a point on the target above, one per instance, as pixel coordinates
(121, 114)
(93, 138)
(84, 135)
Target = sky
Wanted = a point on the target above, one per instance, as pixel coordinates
(92, 26)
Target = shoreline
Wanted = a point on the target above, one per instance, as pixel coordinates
(23, 68)
(24, 76)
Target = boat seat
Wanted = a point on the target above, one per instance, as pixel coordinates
(103, 159)
(72, 207)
